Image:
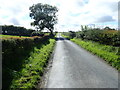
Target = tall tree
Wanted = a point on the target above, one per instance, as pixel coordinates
(44, 16)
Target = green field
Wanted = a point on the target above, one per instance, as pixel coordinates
(9, 36)
(24, 59)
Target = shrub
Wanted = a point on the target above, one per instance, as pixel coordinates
(34, 67)
(108, 37)
(14, 53)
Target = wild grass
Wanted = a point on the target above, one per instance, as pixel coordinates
(33, 67)
(108, 53)
(9, 36)
(15, 54)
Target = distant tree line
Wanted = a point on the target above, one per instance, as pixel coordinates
(16, 30)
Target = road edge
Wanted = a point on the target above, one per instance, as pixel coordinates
(44, 79)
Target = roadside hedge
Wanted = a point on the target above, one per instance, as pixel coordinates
(107, 37)
(18, 47)
(33, 69)
(14, 53)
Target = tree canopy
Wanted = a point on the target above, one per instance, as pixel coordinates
(44, 16)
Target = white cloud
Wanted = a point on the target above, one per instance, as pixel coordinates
(14, 21)
(72, 13)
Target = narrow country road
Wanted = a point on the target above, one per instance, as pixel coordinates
(73, 67)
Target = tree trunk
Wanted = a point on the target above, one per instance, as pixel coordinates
(51, 33)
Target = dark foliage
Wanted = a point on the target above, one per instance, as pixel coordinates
(14, 30)
(44, 16)
(14, 54)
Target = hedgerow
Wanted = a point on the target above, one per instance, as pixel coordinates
(34, 67)
(107, 37)
(15, 52)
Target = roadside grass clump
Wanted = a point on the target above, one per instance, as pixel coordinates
(33, 67)
(108, 53)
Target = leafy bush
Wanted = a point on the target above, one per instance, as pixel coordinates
(108, 37)
(14, 53)
(34, 67)
(69, 35)
(37, 33)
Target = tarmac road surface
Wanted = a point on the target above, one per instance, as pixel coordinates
(74, 67)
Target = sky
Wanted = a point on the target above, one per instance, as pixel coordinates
(71, 13)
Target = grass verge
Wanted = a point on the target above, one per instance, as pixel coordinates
(67, 37)
(108, 53)
(9, 36)
(33, 67)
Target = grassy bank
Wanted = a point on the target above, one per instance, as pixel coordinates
(108, 53)
(34, 67)
(17, 53)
